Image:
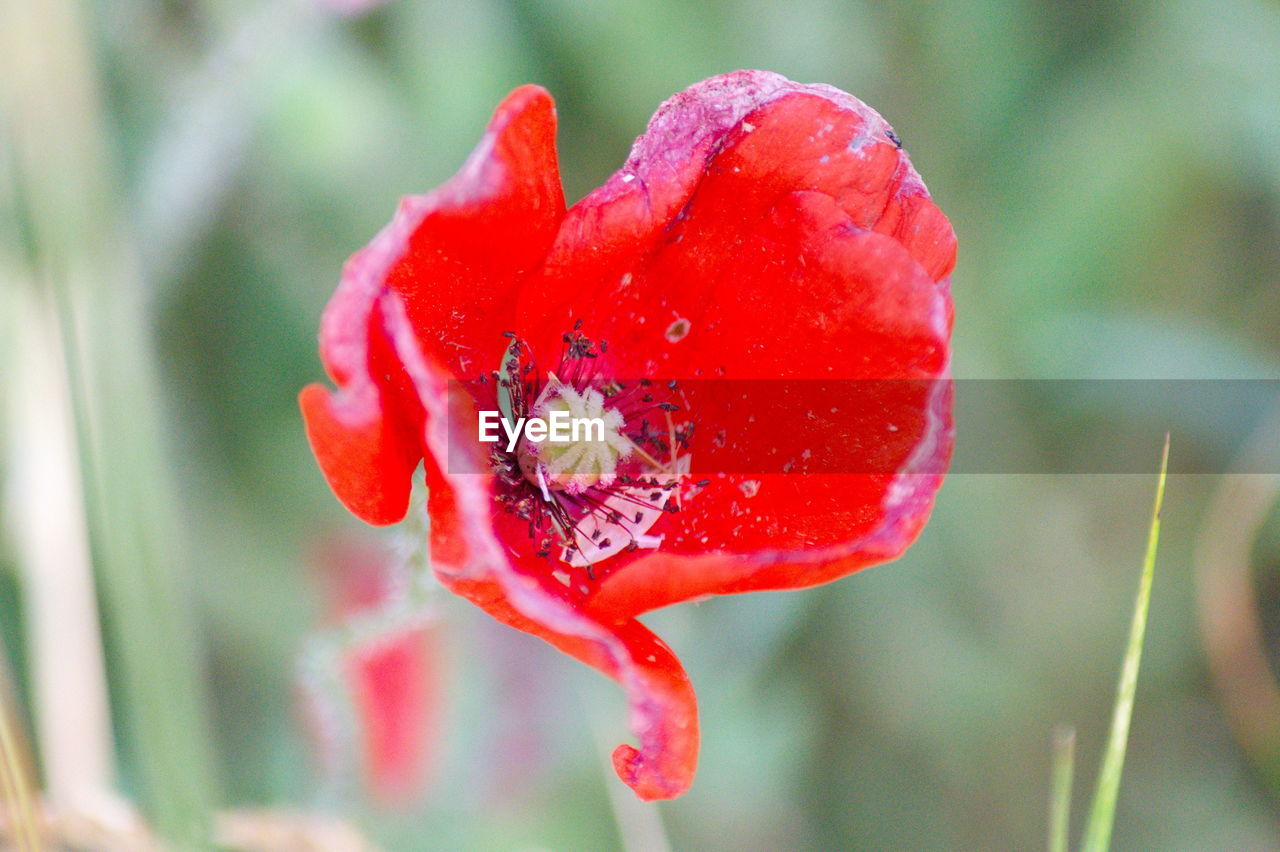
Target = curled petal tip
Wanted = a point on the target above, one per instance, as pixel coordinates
(640, 775)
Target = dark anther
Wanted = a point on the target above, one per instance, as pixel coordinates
(672, 385)
(703, 483)
(508, 334)
(668, 406)
(577, 324)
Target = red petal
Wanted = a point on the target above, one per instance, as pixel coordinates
(791, 237)
(830, 508)
(471, 557)
(481, 235)
(914, 220)
(663, 710)
(361, 453)
(453, 259)
(657, 241)
(393, 682)
(394, 686)
(754, 532)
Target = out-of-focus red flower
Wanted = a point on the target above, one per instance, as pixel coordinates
(761, 230)
(391, 677)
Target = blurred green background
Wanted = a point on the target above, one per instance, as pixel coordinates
(1113, 173)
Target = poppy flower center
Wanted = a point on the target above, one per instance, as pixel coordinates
(589, 456)
(604, 465)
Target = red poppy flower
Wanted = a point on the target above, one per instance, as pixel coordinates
(761, 230)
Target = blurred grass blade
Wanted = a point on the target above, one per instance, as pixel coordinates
(83, 260)
(19, 816)
(1097, 833)
(1064, 758)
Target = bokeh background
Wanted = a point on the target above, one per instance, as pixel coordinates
(1113, 173)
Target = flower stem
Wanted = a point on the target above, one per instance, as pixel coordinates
(640, 824)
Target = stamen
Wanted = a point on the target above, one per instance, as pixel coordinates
(572, 493)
